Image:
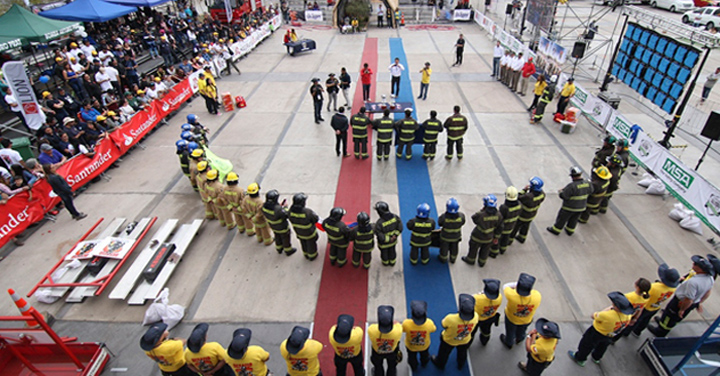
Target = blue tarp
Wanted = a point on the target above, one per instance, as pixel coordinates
(89, 11)
(139, 3)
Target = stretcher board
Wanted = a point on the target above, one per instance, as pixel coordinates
(78, 294)
(130, 278)
(73, 274)
(182, 238)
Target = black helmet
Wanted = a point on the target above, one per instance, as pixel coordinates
(382, 208)
(336, 214)
(272, 196)
(299, 199)
(363, 219)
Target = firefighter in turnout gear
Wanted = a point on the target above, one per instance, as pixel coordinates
(196, 156)
(545, 99)
(422, 227)
(234, 196)
(406, 134)
(574, 196)
(456, 126)
(600, 181)
(201, 179)
(363, 238)
(216, 191)
(510, 211)
(614, 165)
(181, 149)
(387, 230)
(303, 221)
(432, 128)
(252, 205)
(276, 215)
(384, 128)
(604, 152)
(338, 235)
(487, 304)
(359, 123)
(488, 228)
(451, 223)
(623, 153)
(530, 199)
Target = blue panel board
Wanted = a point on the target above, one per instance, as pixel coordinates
(651, 92)
(660, 98)
(663, 66)
(655, 61)
(652, 42)
(657, 80)
(670, 49)
(683, 76)
(644, 36)
(680, 54)
(628, 78)
(669, 105)
(646, 56)
(615, 70)
(675, 90)
(666, 84)
(649, 74)
(691, 58)
(661, 45)
(642, 87)
(673, 70)
(639, 51)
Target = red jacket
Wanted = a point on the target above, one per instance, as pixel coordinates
(365, 78)
(528, 69)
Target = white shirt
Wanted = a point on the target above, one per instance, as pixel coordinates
(10, 100)
(225, 53)
(151, 93)
(113, 73)
(105, 57)
(498, 51)
(396, 70)
(88, 50)
(160, 86)
(504, 59)
(518, 63)
(10, 156)
(74, 52)
(77, 68)
(100, 77)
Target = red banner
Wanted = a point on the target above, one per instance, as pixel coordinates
(25, 208)
(79, 170)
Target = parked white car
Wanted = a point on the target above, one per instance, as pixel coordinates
(673, 5)
(707, 16)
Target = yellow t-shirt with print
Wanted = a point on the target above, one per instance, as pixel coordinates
(637, 301)
(543, 350)
(385, 343)
(520, 309)
(486, 308)
(352, 347)
(252, 363)
(417, 337)
(659, 292)
(457, 331)
(426, 75)
(207, 358)
(169, 355)
(610, 322)
(568, 90)
(305, 362)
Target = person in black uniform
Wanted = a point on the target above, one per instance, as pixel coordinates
(384, 128)
(622, 152)
(488, 228)
(530, 199)
(183, 154)
(600, 181)
(338, 236)
(406, 134)
(63, 190)
(316, 91)
(387, 230)
(363, 238)
(459, 49)
(303, 221)
(421, 226)
(614, 165)
(601, 155)
(451, 223)
(359, 123)
(574, 197)
(276, 215)
(339, 123)
(510, 211)
(432, 128)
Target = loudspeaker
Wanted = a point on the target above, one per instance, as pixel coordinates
(712, 127)
(508, 9)
(578, 50)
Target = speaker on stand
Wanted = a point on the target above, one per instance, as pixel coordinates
(711, 130)
(578, 52)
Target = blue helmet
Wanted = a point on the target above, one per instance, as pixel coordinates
(423, 210)
(181, 145)
(452, 205)
(536, 184)
(490, 201)
(187, 135)
(186, 127)
(192, 145)
(191, 118)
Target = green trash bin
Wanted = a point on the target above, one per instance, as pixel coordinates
(22, 146)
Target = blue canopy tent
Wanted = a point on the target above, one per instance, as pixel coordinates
(89, 11)
(139, 3)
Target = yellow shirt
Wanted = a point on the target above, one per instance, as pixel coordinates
(426, 75)
(305, 362)
(169, 355)
(540, 87)
(659, 292)
(385, 343)
(417, 337)
(543, 350)
(610, 322)
(568, 90)
(637, 301)
(520, 309)
(251, 364)
(486, 308)
(207, 358)
(352, 347)
(457, 331)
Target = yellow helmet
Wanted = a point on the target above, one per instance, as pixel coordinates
(204, 44)
(253, 188)
(511, 193)
(221, 40)
(112, 113)
(197, 153)
(212, 174)
(157, 79)
(231, 177)
(58, 59)
(202, 165)
(100, 118)
(45, 94)
(603, 173)
(94, 53)
(73, 44)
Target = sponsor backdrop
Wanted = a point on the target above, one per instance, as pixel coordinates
(22, 89)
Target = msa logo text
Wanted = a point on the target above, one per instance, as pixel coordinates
(677, 173)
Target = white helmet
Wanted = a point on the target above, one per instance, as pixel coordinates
(511, 193)
(553, 78)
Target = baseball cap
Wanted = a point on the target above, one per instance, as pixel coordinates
(385, 318)
(547, 328)
(418, 309)
(525, 284)
(153, 334)
(492, 288)
(669, 276)
(344, 328)
(45, 147)
(197, 338)
(466, 302)
(297, 339)
(703, 263)
(239, 344)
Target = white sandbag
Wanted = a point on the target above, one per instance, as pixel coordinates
(160, 310)
(45, 296)
(646, 180)
(656, 188)
(692, 223)
(679, 212)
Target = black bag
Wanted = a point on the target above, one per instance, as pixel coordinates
(399, 355)
(156, 263)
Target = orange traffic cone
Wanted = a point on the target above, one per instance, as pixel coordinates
(402, 19)
(24, 308)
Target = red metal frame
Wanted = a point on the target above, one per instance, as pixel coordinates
(58, 341)
(101, 282)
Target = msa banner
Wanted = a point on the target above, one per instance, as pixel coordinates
(462, 15)
(591, 106)
(313, 16)
(22, 90)
(26, 208)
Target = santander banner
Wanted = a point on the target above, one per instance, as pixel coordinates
(23, 209)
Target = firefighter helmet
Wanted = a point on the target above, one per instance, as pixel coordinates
(202, 166)
(603, 173)
(490, 201)
(192, 118)
(272, 196)
(181, 145)
(536, 184)
(197, 153)
(511, 193)
(363, 219)
(299, 199)
(423, 210)
(337, 213)
(382, 207)
(186, 127)
(232, 178)
(610, 140)
(212, 174)
(192, 145)
(452, 206)
(253, 188)
(187, 136)
(575, 171)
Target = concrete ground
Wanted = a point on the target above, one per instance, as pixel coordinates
(230, 281)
